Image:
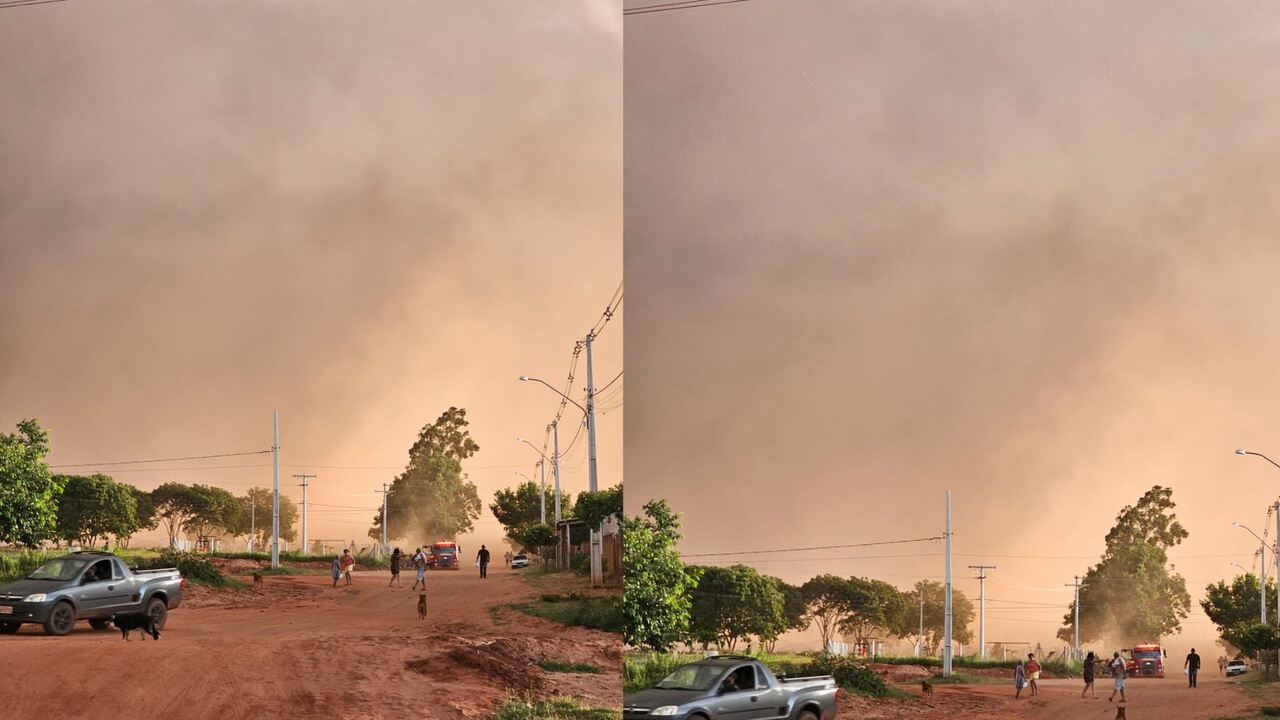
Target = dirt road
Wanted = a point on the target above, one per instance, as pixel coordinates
(1060, 700)
(298, 648)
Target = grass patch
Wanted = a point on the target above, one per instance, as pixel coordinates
(564, 667)
(495, 614)
(558, 709)
(596, 613)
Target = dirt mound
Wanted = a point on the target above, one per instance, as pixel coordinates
(273, 592)
(502, 660)
(900, 673)
(237, 566)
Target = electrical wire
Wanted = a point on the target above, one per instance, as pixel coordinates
(172, 459)
(646, 9)
(24, 3)
(817, 547)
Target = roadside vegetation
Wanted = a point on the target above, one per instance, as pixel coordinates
(558, 709)
(594, 612)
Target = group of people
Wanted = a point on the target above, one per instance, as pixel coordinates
(1027, 675)
(343, 564)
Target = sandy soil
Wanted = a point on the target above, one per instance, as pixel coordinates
(1060, 700)
(297, 648)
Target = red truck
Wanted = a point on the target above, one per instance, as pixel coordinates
(444, 556)
(1144, 660)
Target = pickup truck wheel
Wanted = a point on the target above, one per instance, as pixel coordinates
(807, 715)
(158, 611)
(100, 624)
(9, 628)
(62, 618)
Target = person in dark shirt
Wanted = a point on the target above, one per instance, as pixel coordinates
(482, 558)
(395, 568)
(1192, 666)
(1089, 661)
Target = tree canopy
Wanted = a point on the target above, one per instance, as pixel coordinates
(907, 625)
(656, 600)
(734, 603)
(432, 498)
(593, 508)
(519, 511)
(253, 518)
(93, 507)
(28, 491)
(1233, 608)
(1132, 595)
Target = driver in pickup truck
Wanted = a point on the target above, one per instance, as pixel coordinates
(730, 684)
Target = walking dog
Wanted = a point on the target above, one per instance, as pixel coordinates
(128, 622)
(257, 578)
(926, 687)
(422, 606)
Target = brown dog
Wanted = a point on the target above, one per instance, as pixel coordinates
(1120, 713)
(926, 687)
(257, 578)
(422, 606)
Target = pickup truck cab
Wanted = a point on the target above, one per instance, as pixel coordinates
(732, 687)
(89, 586)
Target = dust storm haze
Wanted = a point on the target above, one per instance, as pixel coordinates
(1026, 252)
(356, 215)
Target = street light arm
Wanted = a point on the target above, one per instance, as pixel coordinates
(535, 448)
(1264, 457)
(566, 397)
(1251, 532)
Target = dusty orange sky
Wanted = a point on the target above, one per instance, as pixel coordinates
(357, 216)
(1025, 252)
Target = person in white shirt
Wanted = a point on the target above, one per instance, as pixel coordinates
(1118, 667)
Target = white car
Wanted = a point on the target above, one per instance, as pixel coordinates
(519, 561)
(1236, 667)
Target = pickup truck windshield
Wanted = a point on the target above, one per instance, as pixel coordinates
(691, 677)
(62, 569)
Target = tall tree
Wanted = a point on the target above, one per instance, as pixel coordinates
(519, 511)
(733, 603)
(28, 492)
(826, 597)
(795, 614)
(874, 606)
(94, 507)
(174, 505)
(656, 583)
(1233, 608)
(432, 498)
(907, 623)
(253, 518)
(212, 508)
(1132, 595)
(146, 515)
(1259, 641)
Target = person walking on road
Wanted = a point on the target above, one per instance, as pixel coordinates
(482, 559)
(506, 558)
(395, 568)
(348, 562)
(1192, 666)
(1033, 673)
(1222, 664)
(420, 568)
(1118, 667)
(337, 571)
(1019, 680)
(1089, 661)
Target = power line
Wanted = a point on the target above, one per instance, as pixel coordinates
(172, 459)
(818, 547)
(646, 9)
(606, 387)
(24, 3)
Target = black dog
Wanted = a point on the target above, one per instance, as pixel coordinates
(128, 622)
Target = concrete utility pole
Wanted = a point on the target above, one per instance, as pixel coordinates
(555, 463)
(946, 632)
(1075, 623)
(384, 519)
(597, 568)
(253, 525)
(275, 490)
(304, 479)
(542, 493)
(982, 605)
(1276, 509)
(920, 642)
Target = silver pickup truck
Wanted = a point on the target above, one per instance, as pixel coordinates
(731, 687)
(89, 586)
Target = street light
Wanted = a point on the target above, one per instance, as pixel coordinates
(1262, 575)
(526, 378)
(1275, 507)
(542, 494)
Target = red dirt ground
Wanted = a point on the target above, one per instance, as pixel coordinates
(297, 648)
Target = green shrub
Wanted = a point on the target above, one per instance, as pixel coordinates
(580, 563)
(568, 667)
(645, 671)
(597, 613)
(192, 566)
(21, 563)
(848, 673)
(558, 709)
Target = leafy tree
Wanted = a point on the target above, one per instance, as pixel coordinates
(28, 492)
(1233, 608)
(253, 518)
(873, 605)
(826, 597)
(146, 515)
(593, 508)
(907, 622)
(94, 507)
(432, 497)
(656, 598)
(795, 614)
(1132, 592)
(212, 508)
(732, 603)
(520, 513)
(174, 504)
(1260, 641)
